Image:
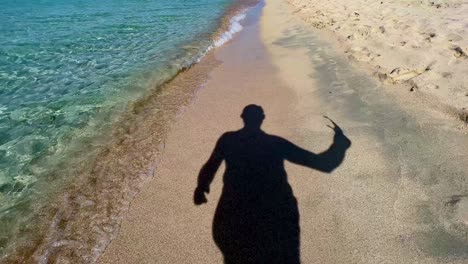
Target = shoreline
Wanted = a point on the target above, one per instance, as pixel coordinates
(244, 76)
(134, 202)
(387, 202)
(82, 215)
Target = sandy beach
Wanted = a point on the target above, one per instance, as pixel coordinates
(399, 195)
(420, 44)
(235, 131)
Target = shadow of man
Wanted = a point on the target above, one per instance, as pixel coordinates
(257, 218)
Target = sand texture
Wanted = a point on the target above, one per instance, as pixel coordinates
(398, 196)
(421, 43)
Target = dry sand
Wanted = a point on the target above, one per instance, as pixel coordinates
(163, 225)
(393, 199)
(422, 43)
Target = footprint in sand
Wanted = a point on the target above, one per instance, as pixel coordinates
(402, 74)
(458, 52)
(453, 37)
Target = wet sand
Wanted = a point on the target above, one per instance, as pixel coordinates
(163, 214)
(386, 203)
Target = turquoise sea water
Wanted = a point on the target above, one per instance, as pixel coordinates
(68, 65)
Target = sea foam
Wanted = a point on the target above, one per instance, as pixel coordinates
(234, 28)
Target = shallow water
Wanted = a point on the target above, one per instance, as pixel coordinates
(68, 69)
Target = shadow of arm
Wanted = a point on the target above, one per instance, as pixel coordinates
(326, 161)
(207, 173)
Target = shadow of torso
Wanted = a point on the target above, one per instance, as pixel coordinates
(257, 219)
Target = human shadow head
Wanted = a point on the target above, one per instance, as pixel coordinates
(253, 116)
